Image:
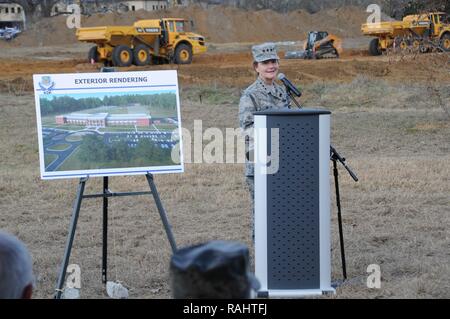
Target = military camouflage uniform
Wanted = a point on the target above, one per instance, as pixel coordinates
(257, 97)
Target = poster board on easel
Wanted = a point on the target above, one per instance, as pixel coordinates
(107, 124)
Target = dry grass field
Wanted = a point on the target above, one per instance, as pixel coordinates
(390, 119)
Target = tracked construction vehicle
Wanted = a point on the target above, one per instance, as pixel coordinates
(146, 42)
(318, 45)
(422, 33)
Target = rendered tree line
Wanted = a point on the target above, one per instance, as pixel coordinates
(67, 104)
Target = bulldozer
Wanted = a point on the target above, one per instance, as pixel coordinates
(146, 42)
(318, 45)
(418, 33)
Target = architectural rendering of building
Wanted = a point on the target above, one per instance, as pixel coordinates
(104, 119)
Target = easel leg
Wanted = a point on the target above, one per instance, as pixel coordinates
(105, 231)
(162, 212)
(70, 237)
(341, 234)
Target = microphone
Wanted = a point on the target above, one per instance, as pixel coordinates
(289, 86)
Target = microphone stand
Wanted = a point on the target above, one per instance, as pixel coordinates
(334, 157)
(291, 95)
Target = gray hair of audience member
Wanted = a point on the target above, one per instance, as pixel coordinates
(16, 273)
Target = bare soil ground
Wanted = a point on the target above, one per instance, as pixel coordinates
(390, 119)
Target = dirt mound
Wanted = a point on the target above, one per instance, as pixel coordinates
(220, 24)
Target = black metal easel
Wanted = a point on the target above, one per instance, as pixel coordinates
(105, 195)
(335, 157)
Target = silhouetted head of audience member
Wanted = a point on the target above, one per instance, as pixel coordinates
(16, 273)
(213, 270)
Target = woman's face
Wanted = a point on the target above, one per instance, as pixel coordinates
(267, 70)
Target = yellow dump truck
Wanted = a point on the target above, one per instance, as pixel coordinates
(421, 32)
(145, 42)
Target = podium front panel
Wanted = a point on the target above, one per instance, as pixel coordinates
(292, 245)
(292, 198)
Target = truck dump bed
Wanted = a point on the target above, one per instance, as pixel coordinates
(103, 34)
(418, 23)
(106, 34)
(381, 28)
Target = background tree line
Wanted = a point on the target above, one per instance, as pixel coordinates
(35, 9)
(390, 7)
(67, 104)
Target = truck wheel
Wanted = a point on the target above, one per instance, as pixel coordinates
(122, 56)
(93, 55)
(142, 55)
(416, 44)
(374, 47)
(445, 42)
(183, 54)
(403, 45)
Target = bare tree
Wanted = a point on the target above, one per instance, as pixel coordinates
(46, 7)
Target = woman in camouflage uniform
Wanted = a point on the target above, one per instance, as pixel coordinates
(263, 94)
